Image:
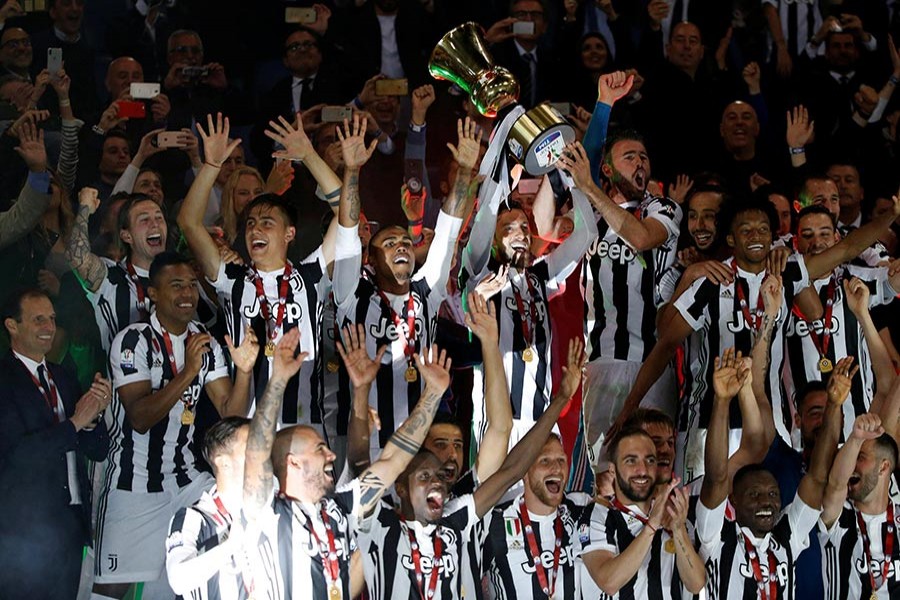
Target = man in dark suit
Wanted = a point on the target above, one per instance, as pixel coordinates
(46, 430)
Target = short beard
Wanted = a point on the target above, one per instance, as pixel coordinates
(630, 493)
(542, 494)
(626, 187)
(867, 483)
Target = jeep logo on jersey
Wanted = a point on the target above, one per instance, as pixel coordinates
(313, 550)
(781, 571)
(616, 251)
(446, 565)
(513, 307)
(876, 566)
(800, 328)
(566, 557)
(293, 312)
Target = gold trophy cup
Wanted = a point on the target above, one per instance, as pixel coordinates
(538, 137)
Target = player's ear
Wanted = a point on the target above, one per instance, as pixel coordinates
(730, 240)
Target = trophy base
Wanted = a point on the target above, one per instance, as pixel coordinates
(537, 139)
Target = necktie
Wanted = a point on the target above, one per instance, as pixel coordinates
(529, 83)
(45, 388)
(71, 459)
(298, 94)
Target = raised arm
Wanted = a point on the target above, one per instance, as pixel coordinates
(761, 355)
(258, 472)
(610, 88)
(233, 398)
(216, 149)
(641, 234)
(362, 371)
(857, 296)
(406, 441)
(34, 198)
(866, 427)
(90, 269)
(812, 486)
(691, 569)
(482, 321)
(529, 447)
(728, 377)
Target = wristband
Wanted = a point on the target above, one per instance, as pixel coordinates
(894, 80)
(212, 164)
(415, 223)
(65, 103)
(650, 525)
(358, 103)
(800, 150)
(333, 194)
(416, 128)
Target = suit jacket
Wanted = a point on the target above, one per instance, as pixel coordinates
(33, 474)
(507, 55)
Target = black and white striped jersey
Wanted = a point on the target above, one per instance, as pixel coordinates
(190, 563)
(613, 531)
(714, 313)
(619, 285)
(730, 574)
(800, 20)
(508, 561)
(162, 459)
(390, 564)
(306, 291)
(117, 302)
(844, 568)
(387, 319)
(302, 543)
(845, 339)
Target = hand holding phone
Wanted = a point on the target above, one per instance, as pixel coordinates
(54, 61)
(131, 109)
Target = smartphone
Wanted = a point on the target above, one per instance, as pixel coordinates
(563, 108)
(54, 61)
(195, 73)
(391, 87)
(34, 5)
(144, 91)
(336, 114)
(131, 109)
(529, 186)
(303, 16)
(169, 139)
(523, 28)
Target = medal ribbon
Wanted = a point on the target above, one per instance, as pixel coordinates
(888, 546)
(624, 509)
(753, 321)
(410, 310)
(417, 563)
(531, 320)
(757, 571)
(51, 397)
(171, 355)
(331, 566)
(264, 302)
(821, 342)
(141, 295)
(548, 582)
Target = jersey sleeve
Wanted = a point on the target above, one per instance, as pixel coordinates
(347, 264)
(347, 498)
(795, 277)
(693, 304)
(460, 514)
(436, 269)
(599, 537)
(668, 282)
(563, 260)
(191, 561)
(801, 519)
(128, 358)
(218, 368)
(709, 525)
(878, 282)
(223, 280)
(666, 212)
(106, 286)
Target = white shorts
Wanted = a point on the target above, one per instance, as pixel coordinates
(132, 529)
(606, 385)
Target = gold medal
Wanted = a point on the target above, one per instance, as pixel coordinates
(825, 365)
(333, 365)
(270, 348)
(187, 416)
(670, 546)
(411, 375)
(527, 355)
(334, 592)
(874, 596)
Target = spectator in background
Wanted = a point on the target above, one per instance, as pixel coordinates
(850, 194)
(16, 53)
(195, 88)
(144, 31)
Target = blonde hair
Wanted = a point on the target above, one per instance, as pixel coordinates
(229, 216)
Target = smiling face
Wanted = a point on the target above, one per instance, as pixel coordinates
(175, 293)
(67, 15)
(246, 188)
(423, 489)
(823, 192)
(391, 256)
(810, 416)
(757, 501)
(545, 481)
(750, 237)
(148, 183)
(32, 334)
(309, 466)
(16, 52)
(234, 160)
(739, 127)
(816, 234)
(268, 234)
(663, 438)
(146, 232)
(594, 54)
(512, 239)
(635, 469)
(703, 207)
(629, 170)
(445, 441)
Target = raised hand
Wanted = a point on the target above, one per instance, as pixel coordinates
(216, 146)
(361, 369)
(244, 356)
(31, 147)
(353, 142)
(679, 190)
(799, 128)
(493, 283)
(839, 383)
(728, 376)
(499, 31)
(613, 86)
(434, 366)
(752, 76)
(160, 106)
(280, 178)
(867, 427)
(482, 319)
(575, 160)
(658, 511)
(422, 98)
(676, 509)
(29, 116)
(777, 259)
(292, 138)
(196, 346)
(287, 361)
(323, 14)
(148, 146)
(469, 145)
(90, 198)
(856, 295)
(572, 370)
(771, 291)
(657, 10)
(110, 118)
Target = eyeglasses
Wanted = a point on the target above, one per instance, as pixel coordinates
(187, 50)
(531, 15)
(300, 46)
(18, 43)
